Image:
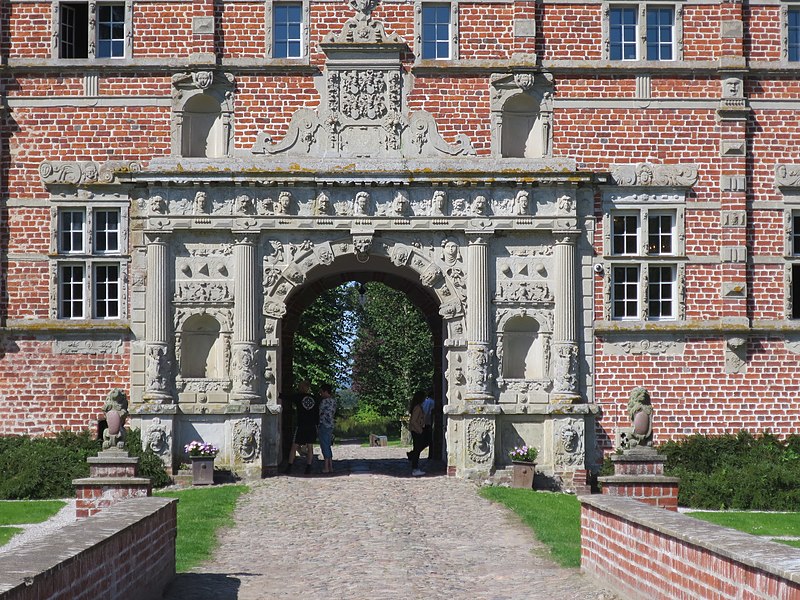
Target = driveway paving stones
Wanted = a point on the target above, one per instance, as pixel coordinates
(372, 531)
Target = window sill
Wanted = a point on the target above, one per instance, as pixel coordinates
(44, 326)
(734, 325)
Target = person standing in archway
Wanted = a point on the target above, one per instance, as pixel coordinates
(305, 434)
(417, 427)
(327, 410)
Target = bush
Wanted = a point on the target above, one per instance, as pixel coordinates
(365, 421)
(741, 471)
(42, 468)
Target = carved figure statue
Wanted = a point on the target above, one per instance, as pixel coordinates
(284, 203)
(479, 205)
(361, 204)
(200, 203)
(116, 409)
(521, 202)
(400, 205)
(242, 205)
(156, 205)
(450, 251)
(640, 412)
(439, 203)
(322, 205)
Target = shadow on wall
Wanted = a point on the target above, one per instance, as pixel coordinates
(205, 586)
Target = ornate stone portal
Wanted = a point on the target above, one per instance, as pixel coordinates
(223, 247)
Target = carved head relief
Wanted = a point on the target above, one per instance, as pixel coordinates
(361, 204)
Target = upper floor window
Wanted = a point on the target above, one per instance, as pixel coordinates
(642, 284)
(287, 30)
(88, 268)
(87, 30)
(642, 32)
(435, 31)
(793, 33)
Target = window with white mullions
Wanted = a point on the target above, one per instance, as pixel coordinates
(111, 31)
(622, 33)
(435, 31)
(71, 285)
(796, 234)
(625, 292)
(106, 231)
(625, 233)
(660, 24)
(71, 228)
(661, 292)
(660, 233)
(793, 33)
(287, 30)
(106, 291)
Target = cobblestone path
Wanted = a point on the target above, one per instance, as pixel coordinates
(372, 531)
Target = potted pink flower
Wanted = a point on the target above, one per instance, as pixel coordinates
(202, 456)
(523, 459)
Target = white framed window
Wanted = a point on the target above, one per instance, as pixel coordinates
(287, 30)
(793, 263)
(436, 30)
(92, 30)
(644, 279)
(792, 33)
(89, 262)
(643, 31)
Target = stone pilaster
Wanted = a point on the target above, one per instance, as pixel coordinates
(480, 355)
(565, 346)
(245, 322)
(158, 362)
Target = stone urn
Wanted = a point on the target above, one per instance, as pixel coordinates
(202, 470)
(522, 474)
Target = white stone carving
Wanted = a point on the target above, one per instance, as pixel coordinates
(735, 354)
(247, 439)
(480, 440)
(157, 437)
(203, 291)
(787, 175)
(568, 446)
(438, 207)
(521, 202)
(644, 346)
(565, 369)
(84, 173)
(362, 204)
(158, 371)
(87, 346)
(362, 28)
(646, 174)
(243, 368)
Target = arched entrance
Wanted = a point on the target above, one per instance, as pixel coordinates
(379, 270)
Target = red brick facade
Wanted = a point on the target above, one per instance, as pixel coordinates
(600, 118)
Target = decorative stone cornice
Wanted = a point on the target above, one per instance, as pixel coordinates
(650, 175)
(85, 172)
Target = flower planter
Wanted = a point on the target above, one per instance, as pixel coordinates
(202, 470)
(522, 474)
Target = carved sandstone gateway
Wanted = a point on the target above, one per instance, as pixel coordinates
(230, 247)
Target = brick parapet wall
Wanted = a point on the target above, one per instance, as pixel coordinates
(127, 551)
(648, 553)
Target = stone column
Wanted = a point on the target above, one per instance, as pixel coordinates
(158, 362)
(565, 346)
(245, 321)
(479, 349)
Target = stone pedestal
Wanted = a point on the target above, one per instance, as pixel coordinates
(202, 470)
(471, 439)
(113, 476)
(639, 474)
(522, 475)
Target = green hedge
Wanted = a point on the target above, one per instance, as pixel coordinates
(41, 468)
(740, 471)
(364, 422)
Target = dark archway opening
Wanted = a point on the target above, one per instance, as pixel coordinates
(419, 296)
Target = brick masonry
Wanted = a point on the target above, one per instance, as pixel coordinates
(645, 552)
(126, 551)
(598, 120)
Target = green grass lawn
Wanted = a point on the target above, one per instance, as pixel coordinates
(554, 518)
(757, 523)
(24, 512)
(201, 512)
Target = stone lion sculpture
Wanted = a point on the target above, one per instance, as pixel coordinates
(116, 409)
(640, 412)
